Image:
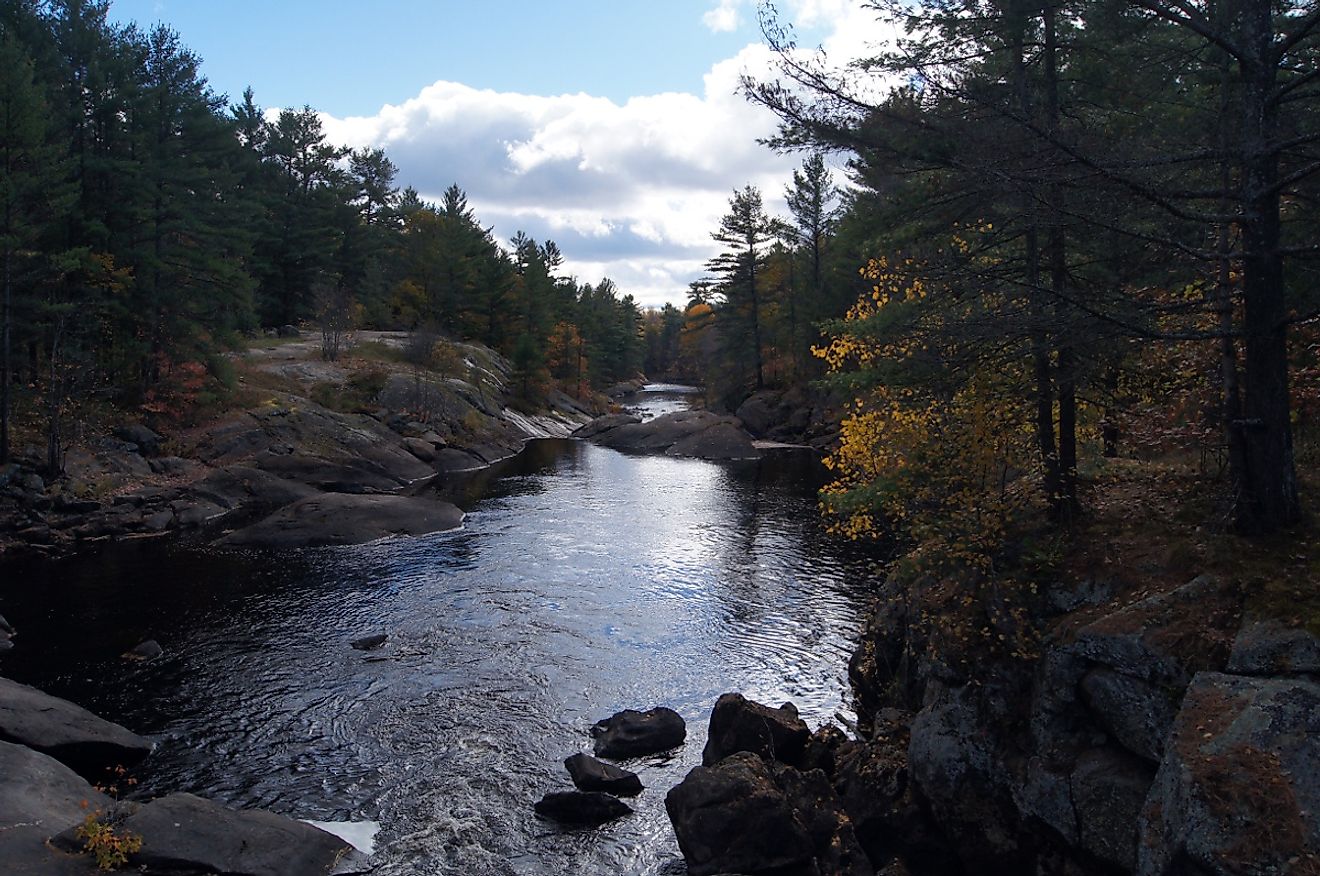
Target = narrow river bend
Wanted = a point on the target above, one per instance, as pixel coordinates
(584, 581)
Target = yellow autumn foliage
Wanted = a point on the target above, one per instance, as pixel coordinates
(943, 467)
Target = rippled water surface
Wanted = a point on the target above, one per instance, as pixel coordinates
(584, 581)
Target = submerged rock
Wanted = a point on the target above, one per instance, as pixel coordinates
(590, 774)
(581, 807)
(340, 519)
(67, 732)
(633, 734)
(740, 724)
(148, 650)
(369, 643)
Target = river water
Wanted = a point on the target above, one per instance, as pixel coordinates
(583, 581)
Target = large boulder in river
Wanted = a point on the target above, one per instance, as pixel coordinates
(740, 724)
(683, 433)
(581, 807)
(590, 774)
(633, 734)
(745, 815)
(67, 732)
(340, 519)
(604, 424)
(39, 798)
(721, 441)
(1238, 790)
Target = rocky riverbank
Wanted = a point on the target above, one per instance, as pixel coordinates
(1157, 731)
(55, 822)
(319, 444)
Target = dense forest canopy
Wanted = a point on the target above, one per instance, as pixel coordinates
(1078, 220)
(148, 225)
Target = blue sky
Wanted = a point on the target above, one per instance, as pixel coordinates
(349, 58)
(613, 128)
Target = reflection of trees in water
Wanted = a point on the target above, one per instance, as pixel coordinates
(774, 532)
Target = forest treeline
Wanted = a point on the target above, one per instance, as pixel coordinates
(1069, 229)
(147, 225)
(1082, 228)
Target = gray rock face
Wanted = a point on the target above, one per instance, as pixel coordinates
(634, 734)
(422, 449)
(339, 476)
(67, 732)
(581, 807)
(1169, 637)
(187, 833)
(1268, 647)
(740, 724)
(589, 774)
(762, 411)
(39, 798)
(1239, 788)
(876, 792)
(1108, 787)
(721, 441)
(148, 442)
(1136, 713)
(340, 519)
(40, 791)
(681, 433)
(604, 424)
(1131, 667)
(241, 485)
(956, 766)
(745, 815)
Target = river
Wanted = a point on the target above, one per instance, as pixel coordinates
(583, 581)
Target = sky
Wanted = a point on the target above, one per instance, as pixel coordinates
(613, 128)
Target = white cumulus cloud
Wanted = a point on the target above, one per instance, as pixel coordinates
(631, 191)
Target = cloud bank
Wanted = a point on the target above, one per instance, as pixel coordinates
(631, 191)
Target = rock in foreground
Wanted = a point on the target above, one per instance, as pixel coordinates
(748, 816)
(1239, 788)
(740, 724)
(590, 774)
(633, 734)
(182, 833)
(581, 807)
(341, 519)
(40, 797)
(67, 732)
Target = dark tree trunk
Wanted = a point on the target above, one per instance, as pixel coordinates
(1267, 483)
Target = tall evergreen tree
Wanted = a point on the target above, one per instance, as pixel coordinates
(745, 231)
